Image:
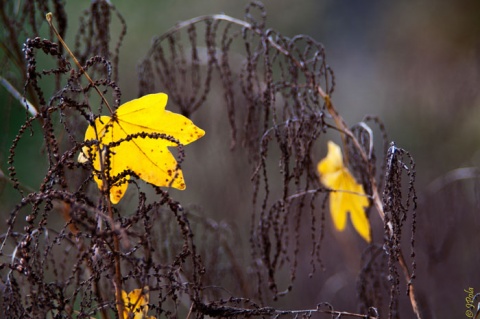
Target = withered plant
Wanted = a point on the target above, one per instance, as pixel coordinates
(67, 252)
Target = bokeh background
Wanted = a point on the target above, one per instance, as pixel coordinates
(414, 64)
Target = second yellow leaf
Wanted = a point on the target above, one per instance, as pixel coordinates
(348, 196)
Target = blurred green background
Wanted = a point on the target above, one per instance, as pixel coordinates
(414, 64)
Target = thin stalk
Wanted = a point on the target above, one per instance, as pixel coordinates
(118, 270)
(82, 70)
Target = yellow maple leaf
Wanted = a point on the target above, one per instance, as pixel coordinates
(147, 156)
(349, 196)
(135, 304)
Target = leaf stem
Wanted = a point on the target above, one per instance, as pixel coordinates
(49, 17)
